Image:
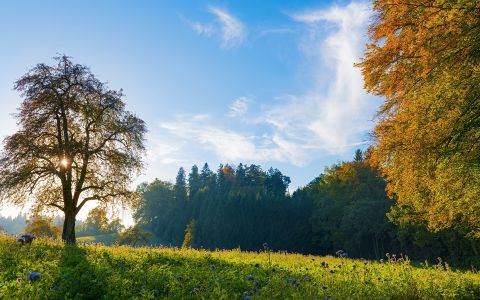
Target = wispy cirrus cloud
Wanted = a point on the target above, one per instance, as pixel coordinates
(230, 145)
(239, 107)
(202, 29)
(333, 115)
(231, 31)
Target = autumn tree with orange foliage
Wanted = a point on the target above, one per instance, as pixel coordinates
(424, 59)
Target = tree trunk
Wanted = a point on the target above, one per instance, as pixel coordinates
(68, 234)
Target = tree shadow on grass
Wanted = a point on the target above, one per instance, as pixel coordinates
(78, 278)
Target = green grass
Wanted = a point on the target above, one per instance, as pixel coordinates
(101, 238)
(101, 272)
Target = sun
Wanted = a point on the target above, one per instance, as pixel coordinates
(64, 162)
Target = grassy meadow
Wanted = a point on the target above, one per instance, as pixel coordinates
(117, 272)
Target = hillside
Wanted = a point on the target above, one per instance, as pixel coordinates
(101, 272)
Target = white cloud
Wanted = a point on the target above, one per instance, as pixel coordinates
(332, 116)
(161, 152)
(202, 29)
(233, 31)
(239, 107)
(229, 145)
(230, 29)
(335, 113)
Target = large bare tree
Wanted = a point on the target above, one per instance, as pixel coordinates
(75, 143)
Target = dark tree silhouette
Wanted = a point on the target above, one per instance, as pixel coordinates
(76, 143)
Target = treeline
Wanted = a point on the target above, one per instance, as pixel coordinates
(13, 225)
(345, 208)
(234, 207)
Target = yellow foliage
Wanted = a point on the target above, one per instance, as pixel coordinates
(424, 58)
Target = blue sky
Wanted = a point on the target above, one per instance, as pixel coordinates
(264, 82)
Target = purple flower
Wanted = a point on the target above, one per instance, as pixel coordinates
(293, 281)
(324, 287)
(27, 238)
(33, 276)
(250, 277)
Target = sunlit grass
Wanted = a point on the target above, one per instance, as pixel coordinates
(96, 272)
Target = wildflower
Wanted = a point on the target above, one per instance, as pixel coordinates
(265, 245)
(246, 296)
(213, 267)
(250, 277)
(274, 270)
(293, 281)
(324, 287)
(196, 290)
(28, 238)
(19, 279)
(332, 271)
(21, 240)
(33, 276)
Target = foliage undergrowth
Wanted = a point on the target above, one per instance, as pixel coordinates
(118, 272)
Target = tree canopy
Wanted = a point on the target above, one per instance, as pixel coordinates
(345, 208)
(75, 143)
(424, 59)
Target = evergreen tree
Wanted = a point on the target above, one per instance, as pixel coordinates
(194, 182)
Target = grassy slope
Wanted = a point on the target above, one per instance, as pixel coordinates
(93, 272)
(101, 238)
